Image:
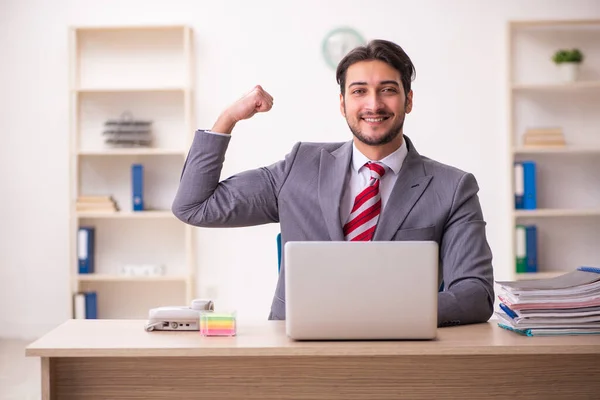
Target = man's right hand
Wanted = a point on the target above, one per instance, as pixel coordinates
(256, 101)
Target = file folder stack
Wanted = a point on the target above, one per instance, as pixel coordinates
(128, 132)
(568, 304)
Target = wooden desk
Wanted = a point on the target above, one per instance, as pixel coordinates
(108, 359)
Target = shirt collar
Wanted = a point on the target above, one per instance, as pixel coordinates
(394, 161)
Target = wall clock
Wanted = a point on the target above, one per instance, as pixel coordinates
(338, 43)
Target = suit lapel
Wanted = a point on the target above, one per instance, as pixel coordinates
(410, 185)
(333, 168)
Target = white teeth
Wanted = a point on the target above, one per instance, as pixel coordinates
(374, 119)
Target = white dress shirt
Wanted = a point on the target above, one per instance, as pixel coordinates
(360, 177)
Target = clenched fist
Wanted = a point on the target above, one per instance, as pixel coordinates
(256, 101)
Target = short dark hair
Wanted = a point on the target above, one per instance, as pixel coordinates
(382, 50)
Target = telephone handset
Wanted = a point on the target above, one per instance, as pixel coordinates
(178, 318)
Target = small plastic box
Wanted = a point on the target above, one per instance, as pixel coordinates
(218, 323)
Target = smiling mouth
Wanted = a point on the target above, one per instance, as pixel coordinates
(375, 119)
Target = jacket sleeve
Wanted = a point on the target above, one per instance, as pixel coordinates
(245, 199)
(466, 258)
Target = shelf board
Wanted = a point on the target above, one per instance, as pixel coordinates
(558, 150)
(557, 212)
(556, 23)
(125, 278)
(132, 89)
(581, 85)
(126, 214)
(132, 152)
(127, 28)
(538, 275)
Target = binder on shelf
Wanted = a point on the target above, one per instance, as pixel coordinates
(525, 185)
(519, 186)
(531, 248)
(521, 249)
(526, 249)
(86, 249)
(91, 305)
(137, 186)
(79, 306)
(85, 305)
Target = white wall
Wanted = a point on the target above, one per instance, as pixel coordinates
(459, 117)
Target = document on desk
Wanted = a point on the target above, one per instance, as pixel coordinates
(568, 304)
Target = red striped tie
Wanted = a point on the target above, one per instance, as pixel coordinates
(367, 206)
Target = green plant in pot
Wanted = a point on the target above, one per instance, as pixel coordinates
(568, 61)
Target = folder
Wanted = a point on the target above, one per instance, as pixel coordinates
(521, 249)
(568, 304)
(519, 186)
(525, 185)
(79, 306)
(531, 248)
(137, 186)
(91, 306)
(86, 249)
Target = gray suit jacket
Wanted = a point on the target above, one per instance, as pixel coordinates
(430, 201)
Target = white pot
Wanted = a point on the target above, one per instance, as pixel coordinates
(569, 71)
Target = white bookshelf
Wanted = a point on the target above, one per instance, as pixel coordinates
(147, 71)
(568, 178)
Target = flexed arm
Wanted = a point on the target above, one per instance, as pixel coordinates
(245, 199)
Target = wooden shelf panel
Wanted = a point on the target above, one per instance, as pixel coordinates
(125, 278)
(126, 28)
(556, 23)
(131, 89)
(126, 215)
(566, 212)
(558, 150)
(552, 87)
(133, 152)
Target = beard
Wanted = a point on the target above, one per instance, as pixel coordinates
(389, 136)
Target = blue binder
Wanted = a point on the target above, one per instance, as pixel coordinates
(137, 186)
(519, 186)
(525, 185)
(86, 249)
(531, 248)
(91, 305)
(529, 184)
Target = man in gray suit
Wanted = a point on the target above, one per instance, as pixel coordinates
(312, 191)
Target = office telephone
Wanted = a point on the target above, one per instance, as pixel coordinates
(178, 318)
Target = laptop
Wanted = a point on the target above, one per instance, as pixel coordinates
(361, 290)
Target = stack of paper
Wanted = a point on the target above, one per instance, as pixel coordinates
(568, 304)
